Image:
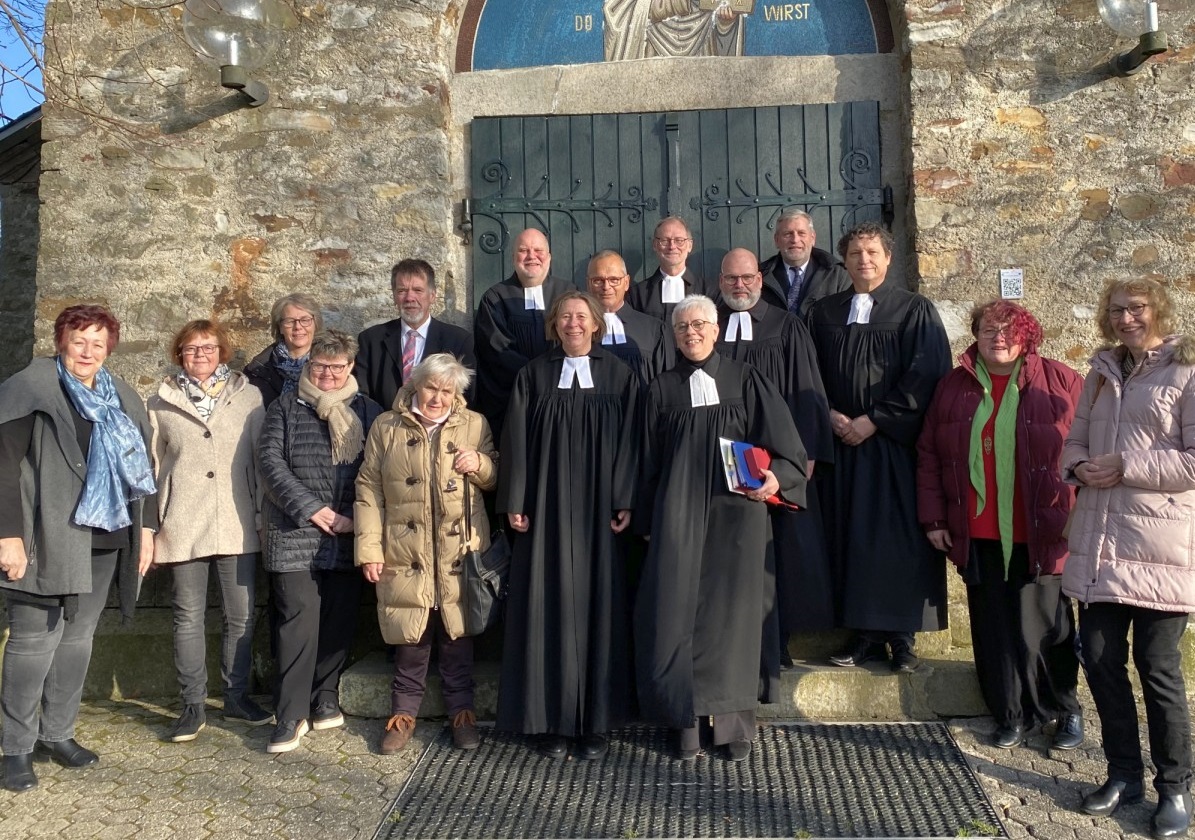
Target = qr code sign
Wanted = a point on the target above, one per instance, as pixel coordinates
(1012, 283)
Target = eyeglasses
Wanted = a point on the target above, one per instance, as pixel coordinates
(684, 326)
(318, 368)
(739, 279)
(199, 349)
(1116, 313)
(291, 323)
(992, 332)
(671, 240)
(606, 281)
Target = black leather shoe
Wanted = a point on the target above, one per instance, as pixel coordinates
(18, 773)
(904, 661)
(1069, 733)
(1173, 817)
(738, 750)
(1008, 737)
(1110, 796)
(861, 651)
(552, 746)
(68, 753)
(592, 747)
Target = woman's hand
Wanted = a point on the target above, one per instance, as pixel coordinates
(620, 522)
(859, 430)
(519, 522)
(770, 486)
(13, 560)
(145, 562)
(940, 539)
(1099, 475)
(372, 571)
(326, 519)
(467, 461)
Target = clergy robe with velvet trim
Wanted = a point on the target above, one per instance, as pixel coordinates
(507, 335)
(647, 349)
(701, 599)
(568, 462)
(890, 577)
(781, 349)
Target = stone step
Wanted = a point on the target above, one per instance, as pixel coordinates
(940, 688)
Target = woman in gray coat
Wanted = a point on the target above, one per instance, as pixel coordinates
(206, 421)
(311, 450)
(74, 477)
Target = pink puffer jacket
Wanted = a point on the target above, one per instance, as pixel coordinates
(1132, 543)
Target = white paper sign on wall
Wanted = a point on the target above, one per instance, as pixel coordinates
(1012, 283)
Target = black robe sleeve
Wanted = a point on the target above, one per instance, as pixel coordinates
(926, 353)
(811, 409)
(771, 426)
(497, 355)
(513, 488)
(626, 466)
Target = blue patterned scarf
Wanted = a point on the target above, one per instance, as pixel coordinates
(118, 470)
(288, 367)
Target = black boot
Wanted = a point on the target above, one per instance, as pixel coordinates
(1111, 795)
(1173, 816)
(18, 773)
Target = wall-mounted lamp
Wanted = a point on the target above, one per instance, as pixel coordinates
(1133, 19)
(237, 36)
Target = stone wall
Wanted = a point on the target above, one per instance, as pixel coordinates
(1026, 154)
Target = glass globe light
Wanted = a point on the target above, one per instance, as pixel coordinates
(240, 33)
(1127, 17)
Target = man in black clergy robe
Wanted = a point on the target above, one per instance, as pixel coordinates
(800, 274)
(777, 344)
(635, 338)
(566, 482)
(508, 331)
(659, 293)
(388, 352)
(882, 350)
(700, 605)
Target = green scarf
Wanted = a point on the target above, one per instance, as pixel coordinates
(1006, 445)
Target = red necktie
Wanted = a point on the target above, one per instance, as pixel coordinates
(408, 354)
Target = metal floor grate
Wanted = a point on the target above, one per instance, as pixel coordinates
(802, 780)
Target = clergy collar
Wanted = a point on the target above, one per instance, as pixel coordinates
(756, 312)
(709, 364)
(875, 293)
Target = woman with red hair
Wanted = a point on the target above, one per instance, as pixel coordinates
(74, 477)
(990, 495)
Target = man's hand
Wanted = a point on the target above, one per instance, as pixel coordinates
(839, 422)
(940, 539)
(325, 519)
(861, 428)
(620, 522)
(519, 522)
(13, 560)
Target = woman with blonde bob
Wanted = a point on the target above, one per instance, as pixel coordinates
(1131, 450)
(421, 460)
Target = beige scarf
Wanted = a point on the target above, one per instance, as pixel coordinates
(344, 427)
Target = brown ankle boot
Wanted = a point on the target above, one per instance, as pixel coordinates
(464, 730)
(399, 730)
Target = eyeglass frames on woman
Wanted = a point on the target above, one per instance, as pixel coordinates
(199, 349)
(291, 323)
(335, 370)
(1116, 313)
(684, 326)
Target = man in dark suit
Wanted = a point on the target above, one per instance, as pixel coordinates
(659, 294)
(388, 351)
(800, 274)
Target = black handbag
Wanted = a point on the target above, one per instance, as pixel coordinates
(486, 574)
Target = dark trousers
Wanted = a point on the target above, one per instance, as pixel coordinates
(45, 663)
(1104, 631)
(1022, 637)
(719, 729)
(317, 618)
(887, 637)
(410, 670)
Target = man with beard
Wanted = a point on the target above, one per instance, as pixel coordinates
(658, 294)
(882, 350)
(388, 352)
(509, 328)
(800, 275)
(777, 344)
(633, 337)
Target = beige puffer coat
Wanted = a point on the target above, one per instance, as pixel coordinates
(1132, 543)
(409, 515)
(207, 478)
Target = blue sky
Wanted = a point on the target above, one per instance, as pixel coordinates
(16, 98)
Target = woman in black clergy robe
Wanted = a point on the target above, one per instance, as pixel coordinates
(701, 598)
(567, 484)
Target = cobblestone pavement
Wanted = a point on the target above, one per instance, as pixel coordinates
(223, 785)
